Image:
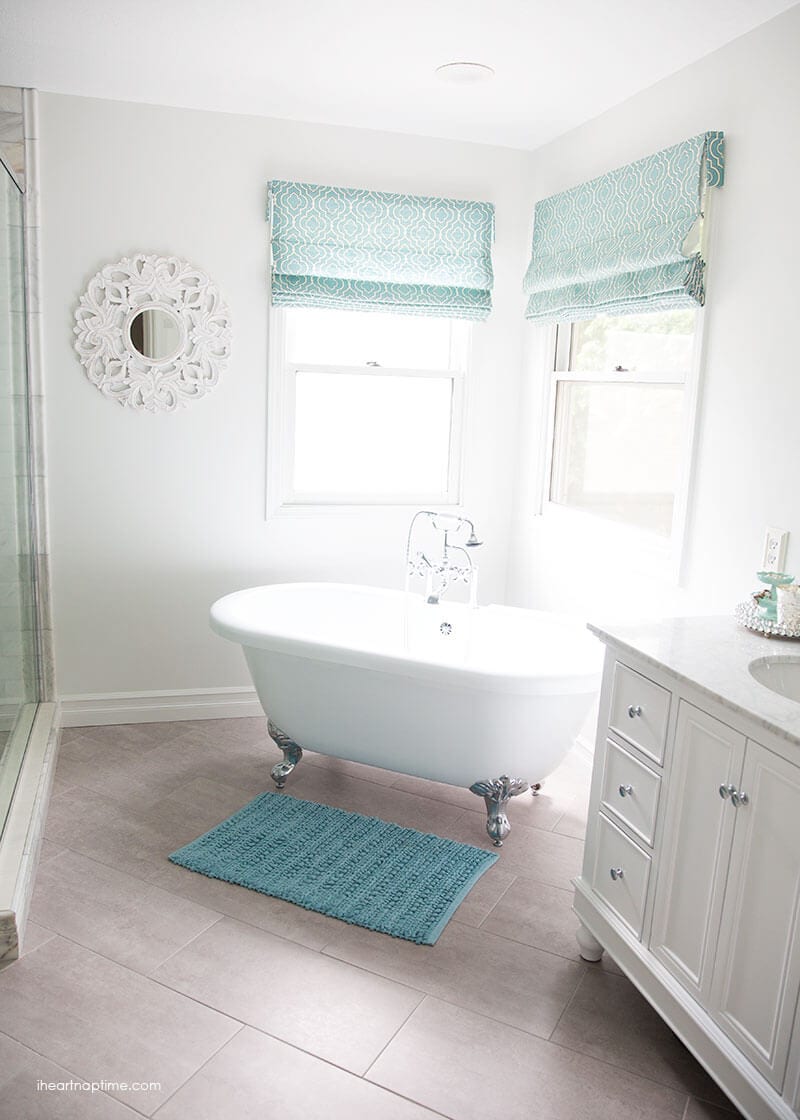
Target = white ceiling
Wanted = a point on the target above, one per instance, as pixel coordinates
(367, 63)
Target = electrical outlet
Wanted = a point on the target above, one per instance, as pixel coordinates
(775, 550)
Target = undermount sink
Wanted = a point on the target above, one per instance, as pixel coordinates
(780, 674)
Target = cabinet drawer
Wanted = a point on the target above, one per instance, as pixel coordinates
(630, 791)
(625, 891)
(639, 711)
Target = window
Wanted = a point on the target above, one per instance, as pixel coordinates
(367, 407)
(620, 418)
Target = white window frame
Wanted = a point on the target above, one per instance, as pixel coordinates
(663, 555)
(283, 500)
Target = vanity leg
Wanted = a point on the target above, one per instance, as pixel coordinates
(292, 754)
(590, 947)
(496, 793)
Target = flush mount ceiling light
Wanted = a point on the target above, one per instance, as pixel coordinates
(465, 73)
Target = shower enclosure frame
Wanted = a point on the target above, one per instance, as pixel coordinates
(20, 837)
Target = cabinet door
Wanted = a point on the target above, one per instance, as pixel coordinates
(757, 970)
(695, 847)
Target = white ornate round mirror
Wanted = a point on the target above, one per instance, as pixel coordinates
(152, 332)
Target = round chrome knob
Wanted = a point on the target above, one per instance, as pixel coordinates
(626, 791)
(726, 791)
(635, 710)
(739, 797)
(616, 873)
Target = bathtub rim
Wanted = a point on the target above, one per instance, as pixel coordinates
(427, 671)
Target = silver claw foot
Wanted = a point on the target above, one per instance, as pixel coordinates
(535, 788)
(292, 754)
(496, 792)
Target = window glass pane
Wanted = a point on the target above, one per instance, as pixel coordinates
(371, 434)
(356, 338)
(657, 343)
(616, 450)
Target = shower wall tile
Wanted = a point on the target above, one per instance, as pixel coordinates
(10, 99)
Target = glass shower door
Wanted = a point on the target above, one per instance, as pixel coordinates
(18, 646)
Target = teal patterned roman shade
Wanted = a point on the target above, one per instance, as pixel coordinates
(372, 251)
(630, 241)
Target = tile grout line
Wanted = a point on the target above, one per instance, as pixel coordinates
(412, 1012)
(180, 898)
(494, 906)
(71, 1072)
(94, 857)
(191, 941)
(642, 1076)
(191, 1076)
(403, 793)
(569, 1002)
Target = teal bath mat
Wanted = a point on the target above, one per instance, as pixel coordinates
(362, 870)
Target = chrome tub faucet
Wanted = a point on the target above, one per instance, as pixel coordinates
(446, 569)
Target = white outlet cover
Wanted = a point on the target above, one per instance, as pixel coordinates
(775, 543)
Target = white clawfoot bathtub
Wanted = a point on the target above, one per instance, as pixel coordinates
(447, 692)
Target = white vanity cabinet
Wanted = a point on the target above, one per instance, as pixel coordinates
(756, 975)
(694, 852)
(691, 875)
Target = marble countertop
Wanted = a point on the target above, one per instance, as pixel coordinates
(712, 654)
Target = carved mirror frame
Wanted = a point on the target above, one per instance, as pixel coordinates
(111, 302)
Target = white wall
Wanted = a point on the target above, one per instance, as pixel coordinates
(747, 473)
(154, 517)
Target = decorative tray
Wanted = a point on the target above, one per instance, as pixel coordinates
(748, 614)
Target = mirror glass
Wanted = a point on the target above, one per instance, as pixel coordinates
(156, 334)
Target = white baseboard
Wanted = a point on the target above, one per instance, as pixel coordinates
(158, 707)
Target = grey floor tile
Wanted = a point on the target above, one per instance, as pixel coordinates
(327, 786)
(67, 734)
(121, 917)
(505, 980)
(206, 801)
(469, 1067)
(105, 1022)
(136, 736)
(60, 785)
(573, 822)
(47, 850)
(534, 852)
(114, 833)
(702, 1110)
(130, 776)
(148, 789)
(438, 791)
(342, 1014)
(348, 769)
(305, 927)
(484, 896)
(536, 914)
(255, 1077)
(34, 935)
(20, 1071)
(609, 1020)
